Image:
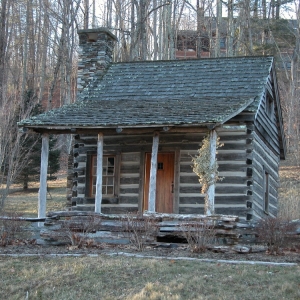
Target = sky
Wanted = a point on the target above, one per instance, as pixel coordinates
(287, 11)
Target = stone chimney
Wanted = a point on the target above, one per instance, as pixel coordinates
(95, 56)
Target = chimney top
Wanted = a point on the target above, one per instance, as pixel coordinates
(95, 55)
(93, 32)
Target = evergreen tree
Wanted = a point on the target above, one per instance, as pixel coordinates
(54, 155)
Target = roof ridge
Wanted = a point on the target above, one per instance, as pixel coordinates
(195, 59)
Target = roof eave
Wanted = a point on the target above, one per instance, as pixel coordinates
(73, 129)
(238, 111)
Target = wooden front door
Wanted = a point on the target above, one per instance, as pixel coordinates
(164, 182)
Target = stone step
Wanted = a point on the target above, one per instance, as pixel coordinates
(84, 207)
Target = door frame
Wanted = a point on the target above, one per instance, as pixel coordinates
(176, 152)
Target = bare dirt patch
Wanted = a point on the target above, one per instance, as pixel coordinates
(258, 253)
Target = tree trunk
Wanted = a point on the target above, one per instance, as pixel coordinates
(155, 42)
(200, 18)
(132, 31)
(143, 29)
(94, 14)
(230, 31)
(3, 43)
(25, 182)
(218, 28)
(86, 14)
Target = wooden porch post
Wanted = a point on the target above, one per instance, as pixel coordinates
(42, 198)
(210, 209)
(98, 196)
(153, 170)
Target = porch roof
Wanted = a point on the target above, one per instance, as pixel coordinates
(135, 113)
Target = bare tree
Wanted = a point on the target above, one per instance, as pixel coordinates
(34, 55)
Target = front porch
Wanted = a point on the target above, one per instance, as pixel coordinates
(152, 181)
(150, 228)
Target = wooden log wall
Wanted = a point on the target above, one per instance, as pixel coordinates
(234, 159)
(129, 181)
(127, 168)
(266, 152)
(266, 123)
(264, 160)
(233, 193)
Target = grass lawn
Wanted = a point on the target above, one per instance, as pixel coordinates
(120, 277)
(26, 202)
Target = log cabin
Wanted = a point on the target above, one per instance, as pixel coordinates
(136, 126)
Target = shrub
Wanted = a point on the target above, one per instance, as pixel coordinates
(199, 235)
(140, 229)
(12, 227)
(75, 230)
(206, 169)
(274, 233)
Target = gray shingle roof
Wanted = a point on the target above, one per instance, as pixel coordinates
(134, 112)
(165, 92)
(224, 77)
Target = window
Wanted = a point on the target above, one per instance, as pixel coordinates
(266, 192)
(222, 43)
(160, 166)
(269, 108)
(108, 175)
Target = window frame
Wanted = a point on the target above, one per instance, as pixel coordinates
(92, 158)
(266, 191)
(269, 105)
